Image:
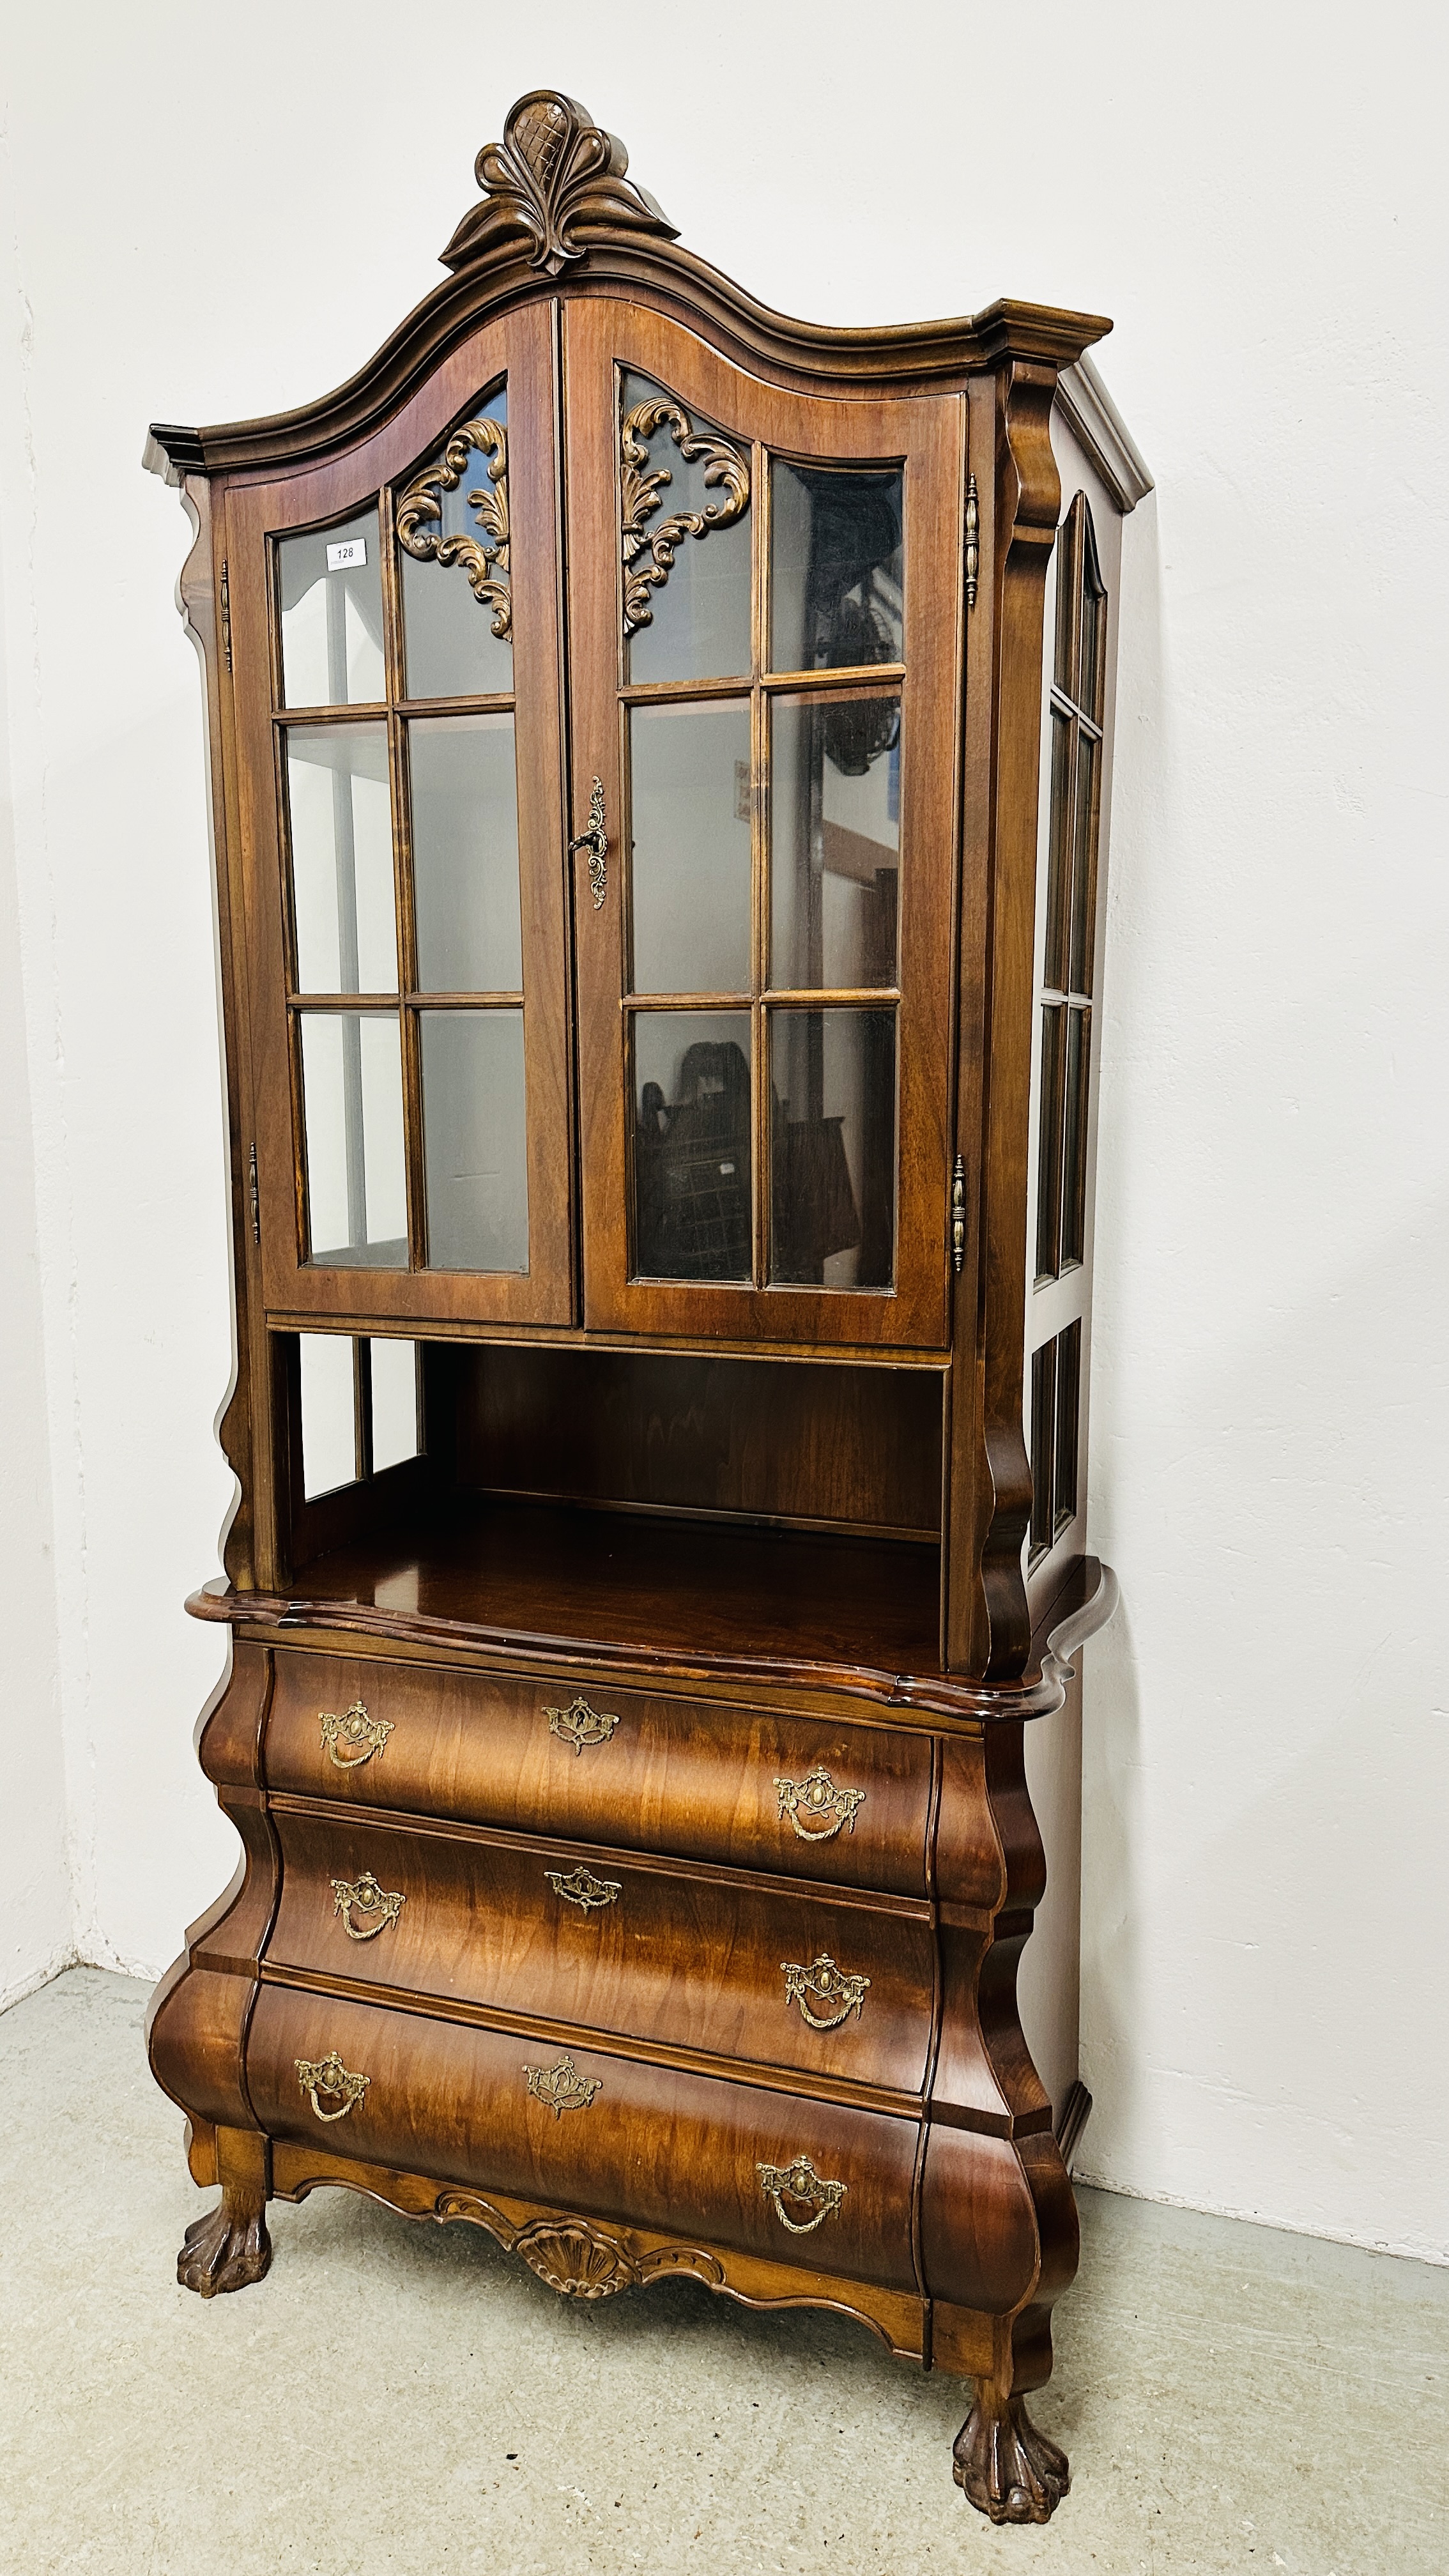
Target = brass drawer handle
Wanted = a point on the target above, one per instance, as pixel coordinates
(581, 1888)
(368, 1898)
(829, 1985)
(357, 1735)
(817, 1797)
(561, 2087)
(579, 1724)
(800, 2182)
(329, 2075)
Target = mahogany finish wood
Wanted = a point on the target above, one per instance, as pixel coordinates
(636, 1845)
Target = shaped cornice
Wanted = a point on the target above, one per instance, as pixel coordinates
(560, 217)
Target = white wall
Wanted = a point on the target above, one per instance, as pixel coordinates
(218, 215)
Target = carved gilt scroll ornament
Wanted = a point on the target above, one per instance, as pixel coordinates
(649, 553)
(554, 170)
(420, 517)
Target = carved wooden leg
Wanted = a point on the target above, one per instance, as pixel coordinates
(1003, 2465)
(230, 2246)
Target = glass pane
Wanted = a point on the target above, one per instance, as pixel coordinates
(1083, 866)
(1069, 1380)
(329, 1424)
(394, 1403)
(835, 567)
(833, 1148)
(330, 588)
(357, 1205)
(686, 542)
(452, 523)
(1074, 1141)
(692, 1156)
(474, 1140)
(1049, 1142)
(1043, 1427)
(1054, 962)
(835, 834)
(1093, 614)
(1066, 582)
(690, 801)
(465, 855)
(340, 815)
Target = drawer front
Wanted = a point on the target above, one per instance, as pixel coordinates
(596, 2136)
(758, 1788)
(805, 1981)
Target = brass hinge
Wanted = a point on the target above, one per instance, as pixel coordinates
(225, 612)
(256, 1199)
(958, 1214)
(973, 549)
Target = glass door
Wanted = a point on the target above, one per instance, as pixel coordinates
(395, 635)
(765, 611)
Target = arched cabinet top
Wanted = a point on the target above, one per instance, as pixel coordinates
(559, 217)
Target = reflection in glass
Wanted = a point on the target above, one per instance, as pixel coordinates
(474, 1143)
(835, 567)
(1049, 1141)
(692, 1145)
(1054, 966)
(1093, 611)
(394, 1374)
(833, 1148)
(835, 832)
(329, 585)
(341, 833)
(1083, 870)
(329, 1417)
(687, 541)
(1043, 1428)
(1062, 649)
(352, 1105)
(465, 854)
(689, 771)
(449, 646)
(1068, 1397)
(1074, 1140)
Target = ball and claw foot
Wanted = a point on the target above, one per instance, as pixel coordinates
(225, 2250)
(1004, 2466)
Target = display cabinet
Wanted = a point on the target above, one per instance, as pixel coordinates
(660, 761)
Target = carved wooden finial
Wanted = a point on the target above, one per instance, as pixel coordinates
(553, 170)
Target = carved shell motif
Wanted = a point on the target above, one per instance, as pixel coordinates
(575, 2259)
(553, 170)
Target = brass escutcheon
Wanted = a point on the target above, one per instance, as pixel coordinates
(352, 1740)
(581, 1888)
(329, 2075)
(817, 1797)
(368, 1898)
(800, 2181)
(579, 1724)
(561, 2087)
(829, 1985)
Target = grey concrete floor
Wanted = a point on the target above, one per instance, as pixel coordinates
(404, 2400)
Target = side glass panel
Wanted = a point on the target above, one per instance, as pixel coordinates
(353, 1122)
(453, 532)
(474, 1140)
(329, 1413)
(690, 866)
(835, 832)
(832, 1148)
(339, 816)
(329, 586)
(465, 854)
(1069, 931)
(395, 1425)
(835, 567)
(684, 498)
(692, 1158)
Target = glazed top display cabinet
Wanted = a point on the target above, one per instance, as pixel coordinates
(660, 761)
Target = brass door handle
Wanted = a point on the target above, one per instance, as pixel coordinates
(579, 1724)
(582, 1889)
(800, 2182)
(366, 1897)
(329, 2075)
(352, 1740)
(829, 1985)
(817, 1799)
(596, 841)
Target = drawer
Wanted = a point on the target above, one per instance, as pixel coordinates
(758, 1788)
(589, 2134)
(650, 1953)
